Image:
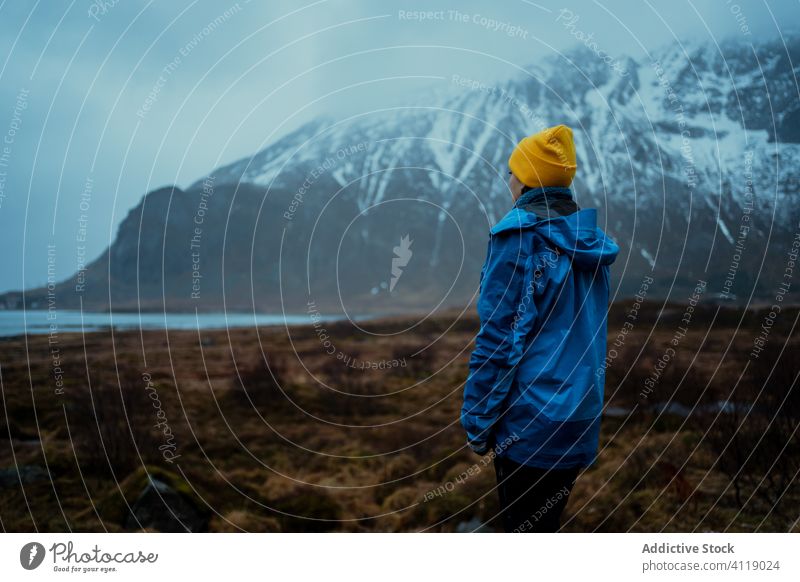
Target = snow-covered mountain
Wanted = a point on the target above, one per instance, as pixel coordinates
(691, 157)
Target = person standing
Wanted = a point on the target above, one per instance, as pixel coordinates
(534, 393)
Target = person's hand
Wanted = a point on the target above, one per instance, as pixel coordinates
(480, 447)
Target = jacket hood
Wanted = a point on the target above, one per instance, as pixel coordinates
(576, 234)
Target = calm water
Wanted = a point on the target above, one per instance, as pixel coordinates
(36, 322)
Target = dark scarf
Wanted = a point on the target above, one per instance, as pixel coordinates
(547, 202)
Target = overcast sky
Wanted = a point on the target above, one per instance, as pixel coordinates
(128, 96)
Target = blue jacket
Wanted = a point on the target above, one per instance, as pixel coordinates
(535, 385)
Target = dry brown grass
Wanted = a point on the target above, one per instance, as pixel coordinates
(316, 445)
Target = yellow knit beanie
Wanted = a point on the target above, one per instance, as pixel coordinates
(546, 158)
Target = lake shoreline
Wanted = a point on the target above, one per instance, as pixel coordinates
(18, 323)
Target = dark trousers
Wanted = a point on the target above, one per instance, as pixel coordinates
(532, 499)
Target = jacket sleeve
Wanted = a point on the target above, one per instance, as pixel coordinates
(501, 305)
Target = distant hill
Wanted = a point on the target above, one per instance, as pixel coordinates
(678, 154)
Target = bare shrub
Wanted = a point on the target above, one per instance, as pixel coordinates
(112, 423)
(755, 435)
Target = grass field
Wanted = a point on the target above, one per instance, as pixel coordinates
(328, 428)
